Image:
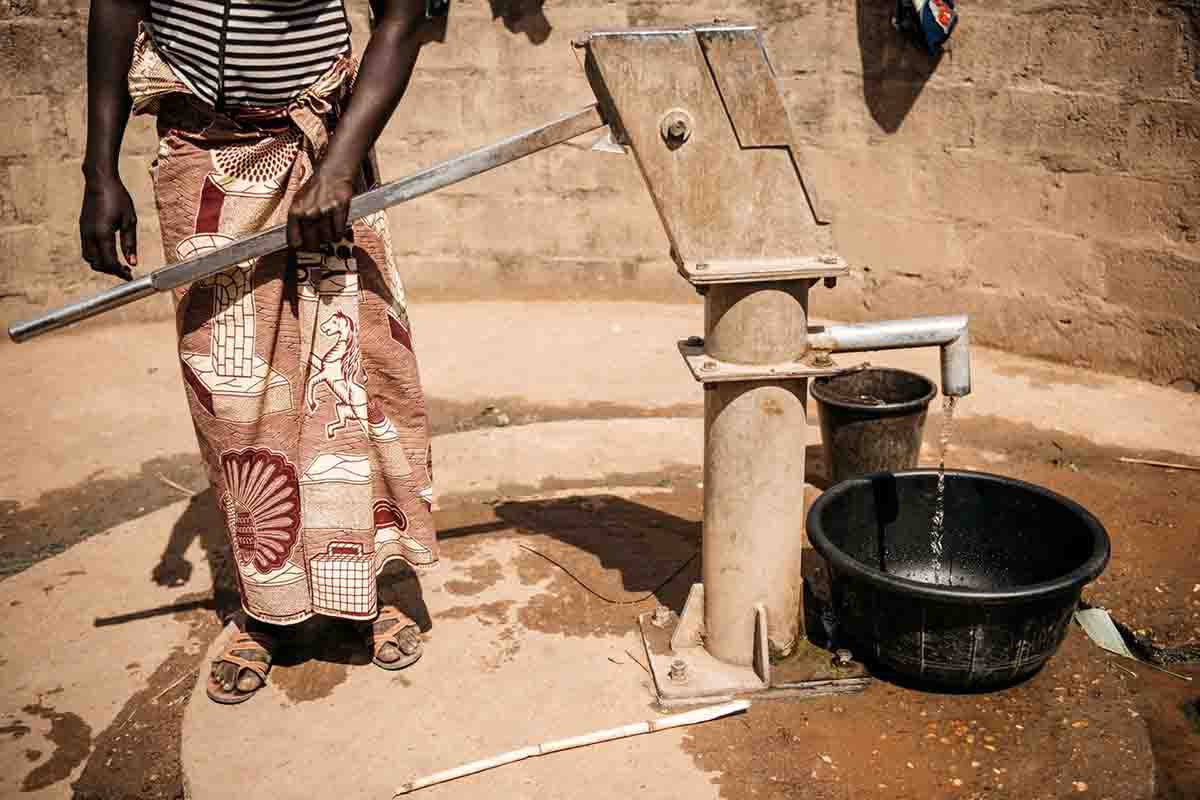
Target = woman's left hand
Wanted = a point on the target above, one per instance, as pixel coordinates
(320, 211)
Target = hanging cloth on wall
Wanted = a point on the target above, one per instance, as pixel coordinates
(929, 22)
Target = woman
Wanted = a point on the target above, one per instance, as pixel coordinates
(298, 368)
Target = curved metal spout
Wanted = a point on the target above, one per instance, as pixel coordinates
(949, 333)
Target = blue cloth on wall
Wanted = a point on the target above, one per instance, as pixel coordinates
(929, 21)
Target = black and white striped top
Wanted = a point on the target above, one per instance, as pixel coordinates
(260, 53)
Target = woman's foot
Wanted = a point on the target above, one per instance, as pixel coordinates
(241, 669)
(395, 639)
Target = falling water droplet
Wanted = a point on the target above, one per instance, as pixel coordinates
(939, 504)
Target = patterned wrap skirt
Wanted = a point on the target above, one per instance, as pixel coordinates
(298, 367)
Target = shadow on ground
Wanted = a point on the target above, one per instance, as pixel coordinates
(61, 518)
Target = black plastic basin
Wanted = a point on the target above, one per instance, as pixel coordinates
(996, 605)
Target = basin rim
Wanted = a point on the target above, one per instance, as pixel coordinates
(818, 390)
(1071, 581)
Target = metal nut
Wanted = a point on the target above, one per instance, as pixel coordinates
(842, 657)
(676, 128)
(678, 671)
(695, 341)
(822, 360)
(661, 617)
(830, 282)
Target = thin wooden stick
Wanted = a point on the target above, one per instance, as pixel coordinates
(175, 485)
(178, 681)
(1152, 665)
(649, 726)
(1165, 464)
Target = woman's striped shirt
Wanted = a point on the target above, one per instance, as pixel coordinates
(260, 53)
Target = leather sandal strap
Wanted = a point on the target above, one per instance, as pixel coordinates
(257, 667)
(400, 622)
(257, 640)
(249, 640)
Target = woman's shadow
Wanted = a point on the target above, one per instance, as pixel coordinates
(894, 68)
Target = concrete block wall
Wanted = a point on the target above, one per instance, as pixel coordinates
(1043, 175)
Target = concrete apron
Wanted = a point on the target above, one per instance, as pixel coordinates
(489, 683)
(82, 632)
(485, 685)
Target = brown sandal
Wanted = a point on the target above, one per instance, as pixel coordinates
(240, 642)
(400, 622)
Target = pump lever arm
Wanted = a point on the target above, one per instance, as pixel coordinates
(270, 240)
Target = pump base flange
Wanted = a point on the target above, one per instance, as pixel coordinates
(685, 673)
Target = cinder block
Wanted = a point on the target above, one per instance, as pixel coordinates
(554, 56)
(26, 116)
(900, 113)
(966, 185)
(63, 196)
(1131, 208)
(647, 13)
(429, 121)
(525, 100)
(42, 56)
(925, 251)
(70, 113)
(22, 248)
(1156, 281)
(1121, 11)
(1030, 263)
(17, 8)
(803, 42)
(1164, 139)
(1070, 332)
(23, 192)
(988, 49)
(472, 43)
(859, 181)
(59, 9)
(1089, 50)
(503, 276)
(575, 166)
(1064, 131)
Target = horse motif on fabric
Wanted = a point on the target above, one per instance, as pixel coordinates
(340, 368)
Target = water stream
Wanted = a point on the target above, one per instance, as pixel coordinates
(939, 503)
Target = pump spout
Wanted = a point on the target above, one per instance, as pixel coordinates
(948, 333)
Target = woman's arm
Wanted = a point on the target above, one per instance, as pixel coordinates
(320, 209)
(107, 207)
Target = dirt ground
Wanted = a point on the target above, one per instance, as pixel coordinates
(889, 742)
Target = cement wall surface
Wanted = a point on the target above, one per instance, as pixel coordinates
(1043, 175)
